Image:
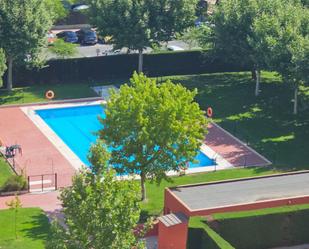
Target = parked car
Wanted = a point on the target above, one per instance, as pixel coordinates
(174, 48)
(68, 36)
(87, 36)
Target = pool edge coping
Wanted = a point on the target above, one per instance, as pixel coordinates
(75, 161)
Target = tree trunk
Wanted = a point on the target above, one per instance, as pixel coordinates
(295, 100)
(9, 85)
(258, 80)
(253, 74)
(143, 187)
(140, 60)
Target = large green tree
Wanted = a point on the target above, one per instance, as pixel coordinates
(137, 24)
(2, 65)
(283, 36)
(99, 210)
(23, 29)
(152, 128)
(233, 35)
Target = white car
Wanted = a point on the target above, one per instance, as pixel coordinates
(174, 48)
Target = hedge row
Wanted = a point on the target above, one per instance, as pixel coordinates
(121, 66)
(201, 236)
(266, 231)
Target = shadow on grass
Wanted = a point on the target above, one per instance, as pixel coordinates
(265, 123)
(37, 227)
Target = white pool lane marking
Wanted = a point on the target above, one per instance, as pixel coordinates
(30, 112)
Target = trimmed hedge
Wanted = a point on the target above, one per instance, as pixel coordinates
(122, 66)
(266, 231)
(201, 236)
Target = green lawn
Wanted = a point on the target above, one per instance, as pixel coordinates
(32, 229)
(5, 172)
(34, 94)
(266, 121)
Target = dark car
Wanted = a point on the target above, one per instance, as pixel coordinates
(68, 36)
(87, 36)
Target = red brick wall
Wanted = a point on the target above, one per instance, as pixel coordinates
(173, 205)
(173, 237)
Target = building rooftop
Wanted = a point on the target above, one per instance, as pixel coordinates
(239, 192)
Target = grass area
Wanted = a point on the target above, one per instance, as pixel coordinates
(32, 229)
(266, 122)
(155, 193)
(33, 94)
(5, 172)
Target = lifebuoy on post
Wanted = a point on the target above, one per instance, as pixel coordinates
(209, 112)
(49, 94)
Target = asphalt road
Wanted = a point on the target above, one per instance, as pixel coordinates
(240, 192)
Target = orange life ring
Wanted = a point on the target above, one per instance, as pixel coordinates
(49, 94)
(209, 112)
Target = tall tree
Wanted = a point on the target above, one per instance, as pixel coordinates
(23, 29)
(152, 128)
(99, 210)
(136, 24)
(284, 39)
(2, 65)
(233, 32)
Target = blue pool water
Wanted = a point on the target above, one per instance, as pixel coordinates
(76, 126)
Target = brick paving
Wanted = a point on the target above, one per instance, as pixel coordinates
(232, 149)
(39, 155)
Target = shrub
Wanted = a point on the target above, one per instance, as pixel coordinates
(14, 183)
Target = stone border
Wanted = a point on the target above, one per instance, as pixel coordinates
(75, 161)
(51, 135)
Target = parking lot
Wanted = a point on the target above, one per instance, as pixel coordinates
(106, 49)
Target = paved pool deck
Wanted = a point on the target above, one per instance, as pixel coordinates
(40, 155)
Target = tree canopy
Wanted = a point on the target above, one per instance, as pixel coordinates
(23, 30)
(138, 24)
(233, 34)
(283, 36)
(99, 210)
(152, 128)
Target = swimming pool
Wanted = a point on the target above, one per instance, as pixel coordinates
(77, 127)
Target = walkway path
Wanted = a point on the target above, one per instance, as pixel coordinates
(232, 149)
(46, 201)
